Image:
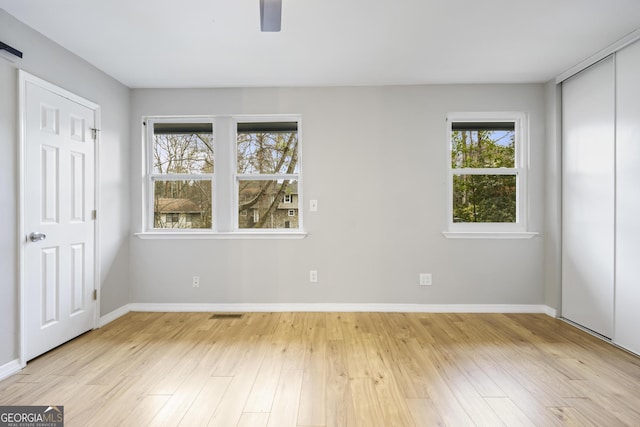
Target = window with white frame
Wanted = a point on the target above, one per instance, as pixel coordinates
(487, 172)
(255, 185)
(181, 173)
(267, 173)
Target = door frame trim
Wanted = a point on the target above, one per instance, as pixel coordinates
(23, 79)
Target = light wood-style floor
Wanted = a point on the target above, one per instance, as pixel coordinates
(334, 369)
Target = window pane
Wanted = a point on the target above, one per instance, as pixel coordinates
(264, 152)
(182, 204)
(483, 148)
(183, 148)
(484, 198)
(262, 205)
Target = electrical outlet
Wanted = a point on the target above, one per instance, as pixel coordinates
(313, 276)
(425, 279)
(196, 281)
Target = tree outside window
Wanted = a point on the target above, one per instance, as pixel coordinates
(182, 174)
(267, 174)
(487, 174)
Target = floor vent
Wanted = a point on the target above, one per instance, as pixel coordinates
(226, 316)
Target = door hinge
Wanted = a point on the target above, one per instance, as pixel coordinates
(95, 294)
(94, 133)
(94, 214)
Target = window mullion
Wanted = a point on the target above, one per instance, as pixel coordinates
(485, 171)
(265, 176)
(182, 177)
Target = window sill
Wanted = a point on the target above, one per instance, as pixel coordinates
(489, 234)
(239, 235)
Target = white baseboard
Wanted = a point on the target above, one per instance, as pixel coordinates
(110, 317)
(328, 307)
(343, 307)
(10, 368)
(550, 311)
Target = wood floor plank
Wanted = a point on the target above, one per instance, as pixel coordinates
(437, 389)
(622, 406)
(284, 412)
(130, 395)
(339, 410)
(312, 411)
(366, 405)
(496, 365)
(289, 331)
(334, 369)
(356, 359)
(463, 359)
(407, 370)
(205, 405)
(597, 414)
(464, 391)
(392, 402)
(593, 371)
(145, 411)
(232, 405)
(230, 408)
(265, 385)
(180, 401)
(571, 417)
(334, 326)
(424, 412)
(509, 412)
(81, 401)
(253, 419)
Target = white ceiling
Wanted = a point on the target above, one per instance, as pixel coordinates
(217, 43)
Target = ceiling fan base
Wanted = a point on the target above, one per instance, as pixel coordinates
(270, 15)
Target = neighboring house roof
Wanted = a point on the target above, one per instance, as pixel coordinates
(168, 205)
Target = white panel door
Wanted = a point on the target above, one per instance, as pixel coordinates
(58, 261)
(627, 313)
(588, 211)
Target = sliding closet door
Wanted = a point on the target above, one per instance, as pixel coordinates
(588, 109)
(627, 317)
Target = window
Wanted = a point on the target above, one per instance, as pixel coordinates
(180, 157)
(267, 172)
(172, 218)
(200, 178)
(487, 172)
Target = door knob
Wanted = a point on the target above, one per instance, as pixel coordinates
(36, 237)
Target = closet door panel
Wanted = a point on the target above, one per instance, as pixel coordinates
(627, 307)
(588, 197)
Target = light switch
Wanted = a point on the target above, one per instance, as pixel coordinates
(313, 206)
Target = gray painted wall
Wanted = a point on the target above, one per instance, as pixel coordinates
(8, 214)
(375, 158)
(553, 197)
(47, 60)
